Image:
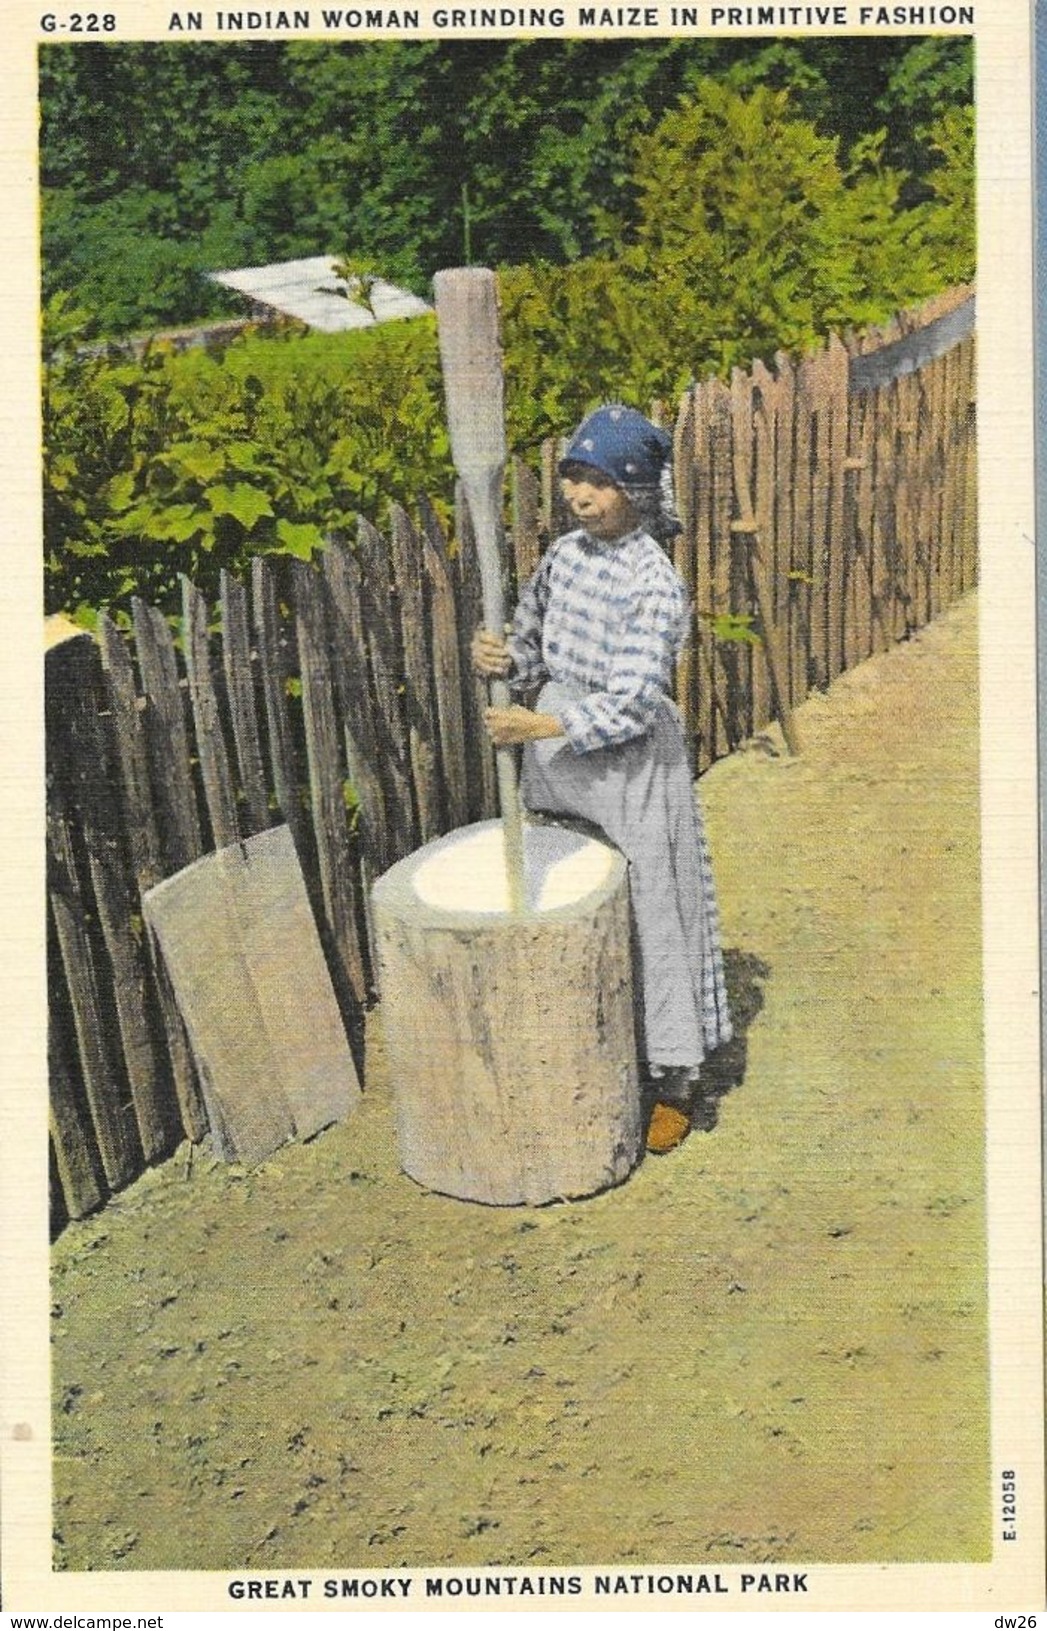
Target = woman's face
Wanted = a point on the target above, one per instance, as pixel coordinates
(601, 506)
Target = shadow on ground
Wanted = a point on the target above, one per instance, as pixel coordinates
(746, 974)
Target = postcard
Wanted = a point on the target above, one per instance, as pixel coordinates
(521, 945)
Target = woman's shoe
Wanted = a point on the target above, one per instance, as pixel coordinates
(667, 1129)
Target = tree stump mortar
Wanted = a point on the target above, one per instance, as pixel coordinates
(510, 1037)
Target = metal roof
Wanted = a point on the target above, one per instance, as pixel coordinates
(309, 290)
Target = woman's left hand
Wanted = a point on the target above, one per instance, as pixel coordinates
(508, 726)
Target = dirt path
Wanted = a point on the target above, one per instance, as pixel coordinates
(758, 1348)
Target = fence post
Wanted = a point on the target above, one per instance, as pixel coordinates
(527, 530)
(343, 910)
(837, 541)
(210, 742)
(353, 683)
(167, 741)
(446, 667)
(81, 1190)
(271, 645)
(746, 527)
(408, 576)
(84, 780)
(384, 648)
(684, 560)
(239, 682)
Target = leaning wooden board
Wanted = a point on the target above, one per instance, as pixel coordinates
(238, 937)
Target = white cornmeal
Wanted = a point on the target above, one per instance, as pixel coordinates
(469, 876)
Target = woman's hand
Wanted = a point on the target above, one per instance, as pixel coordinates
(507, 726)
(490, 654)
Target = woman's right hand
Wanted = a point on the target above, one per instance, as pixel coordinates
(490, 654)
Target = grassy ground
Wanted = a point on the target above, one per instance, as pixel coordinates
(760, 1347)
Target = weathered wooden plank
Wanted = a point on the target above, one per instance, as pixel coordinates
(684, 561)
(859, 634)
(821, 493)
(210, 741)
(805, 571)
(763, 484)
(883, 549)
(721, 498)
(128, 723)
(143, 838)
(743, 598)
(186, 1083)
(935, 473)
(970, 462)
(386, 660)
(528, 537)
(240, 944)
(966, 497)
(556, 518)
(483, 786)
(896, 556)
(950, 463)
(446, 668)
(83, 788)
(756, 588)
(941, 464)
(905, 509)
(74, 1149)
(306, 1035)
(836, 367)
(106, 1093)
(919, 499)
(353, 683)
(930, 486)
(951, 363)
(146, 1073)
(167, 740)
(784, 519)
(272, 643)
(343, 907)
(238, 665)
(419, 703)
(920, 578)
(704, 672)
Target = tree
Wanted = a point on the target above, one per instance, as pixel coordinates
(163, 161)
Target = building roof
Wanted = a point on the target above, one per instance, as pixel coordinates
(309, 290)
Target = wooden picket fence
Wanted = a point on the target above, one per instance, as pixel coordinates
(828, 508)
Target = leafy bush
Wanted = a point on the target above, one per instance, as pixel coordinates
(187, 463)
(743, 232)
(748, 235)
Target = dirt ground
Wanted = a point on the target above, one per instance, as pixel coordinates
(768, 1345)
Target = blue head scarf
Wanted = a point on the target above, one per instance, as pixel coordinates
(637, 456)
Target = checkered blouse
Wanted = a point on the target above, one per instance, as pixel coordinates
(609, 617)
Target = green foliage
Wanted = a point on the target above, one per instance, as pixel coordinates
(574, 335)
(950, 212)
(197, 461)
(746, 235)
(732, 628)
(753, 235)
(706, 219)
(360, 274)
(163, 161)
(933, 75)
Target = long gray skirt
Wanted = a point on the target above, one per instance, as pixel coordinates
(640, 794)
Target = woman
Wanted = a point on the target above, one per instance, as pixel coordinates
(598, 629)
